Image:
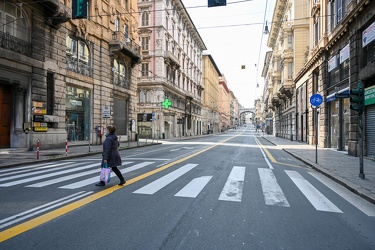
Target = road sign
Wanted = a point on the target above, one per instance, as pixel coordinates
(316, 100)
(106, 111)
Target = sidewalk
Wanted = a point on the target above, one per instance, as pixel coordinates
(337, 165)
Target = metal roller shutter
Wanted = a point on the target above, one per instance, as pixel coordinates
(120, 116)
(370, 130)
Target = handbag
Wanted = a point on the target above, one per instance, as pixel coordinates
(105, 173)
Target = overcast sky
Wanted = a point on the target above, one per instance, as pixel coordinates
(233, 35)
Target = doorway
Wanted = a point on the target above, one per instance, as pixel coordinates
(5, 97)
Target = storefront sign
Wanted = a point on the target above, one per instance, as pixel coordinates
(40, 111)
(370, 95)
(332, 64)
(76, 103)
(39, 124)
(40, 129)
(344, 54)
(38, 104)
(38, 118)
(368, 35)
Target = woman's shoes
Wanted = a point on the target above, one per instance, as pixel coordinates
(122, 183)
(100, 183)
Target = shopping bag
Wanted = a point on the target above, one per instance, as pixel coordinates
(105, 173)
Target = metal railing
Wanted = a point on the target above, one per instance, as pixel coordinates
(13, 43)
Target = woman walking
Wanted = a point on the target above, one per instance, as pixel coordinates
(111, 155)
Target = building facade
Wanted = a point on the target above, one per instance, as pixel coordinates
(171, 71)
(224, 104)
(61, 79)
(210, 110)
(338, 57)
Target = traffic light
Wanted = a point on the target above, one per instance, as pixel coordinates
(215, 3)
(357, 99)
(79, 9)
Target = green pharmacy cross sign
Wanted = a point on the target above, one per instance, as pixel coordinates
(166, 103)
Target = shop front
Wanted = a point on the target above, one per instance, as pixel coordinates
(77, 117)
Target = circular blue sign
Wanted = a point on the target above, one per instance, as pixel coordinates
(316, 100)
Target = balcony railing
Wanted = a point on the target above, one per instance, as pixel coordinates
(15, 44)
(121, 43)
(78, 66)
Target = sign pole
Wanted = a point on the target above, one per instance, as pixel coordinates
(316, 135)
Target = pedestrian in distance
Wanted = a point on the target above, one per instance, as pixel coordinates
(111, 155)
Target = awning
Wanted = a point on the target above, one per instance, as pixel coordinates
(342, 93)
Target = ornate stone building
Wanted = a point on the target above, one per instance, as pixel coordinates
(171, 71)
(60, 77)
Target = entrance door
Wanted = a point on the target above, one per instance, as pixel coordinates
(4, 117)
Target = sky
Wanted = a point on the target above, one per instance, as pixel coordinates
(233, 35)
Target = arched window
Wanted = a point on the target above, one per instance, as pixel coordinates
(13, 21)
(78, 56)
(121, 73)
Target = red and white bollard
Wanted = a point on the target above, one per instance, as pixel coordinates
(66, 147)
(37, 149)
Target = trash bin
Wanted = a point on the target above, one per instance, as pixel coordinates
(136, 136)
(163, 135)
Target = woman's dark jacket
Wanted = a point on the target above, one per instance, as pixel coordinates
(110, 151)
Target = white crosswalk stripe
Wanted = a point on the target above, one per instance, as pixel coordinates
(96, 178)
(232, 190)
(316, 198)
(194, 187)
(273, 195)
(155, 186)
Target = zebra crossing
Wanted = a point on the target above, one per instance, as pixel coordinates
(78, 176)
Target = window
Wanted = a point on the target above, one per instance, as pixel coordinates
(290, 70)
(126, 2)
(121, 73)
(315, 81)
(126, 31)
(316, 31)
(144, 69)
(145, 17)
(117, 24)
(290, 41)
(78, 56)
(166, 22)
(145, 43)
(13, 21)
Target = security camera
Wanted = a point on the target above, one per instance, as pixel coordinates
(33, 108)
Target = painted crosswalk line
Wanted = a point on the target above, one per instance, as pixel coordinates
(193, 188)
(273, 195)
(360, 203)
(316, 198)
(158, 184)
(92, 180)
(232, 190)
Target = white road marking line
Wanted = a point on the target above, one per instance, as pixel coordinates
(264, 155)
(360, 203)
(92, 180)
(232, 190)
(43, 176)
(316, 198)
(17, 175)
(25, 167)
(29, 213)
(158, 184)
(273, 194)
(193, 188)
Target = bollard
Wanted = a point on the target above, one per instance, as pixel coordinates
(66, 147)
(37, 149)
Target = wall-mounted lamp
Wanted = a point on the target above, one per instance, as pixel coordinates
(266, 29)
(114, 35)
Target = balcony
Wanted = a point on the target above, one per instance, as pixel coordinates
(287, 88)
(122, 44)
(171, 59)
(15, 44)
(56, 12)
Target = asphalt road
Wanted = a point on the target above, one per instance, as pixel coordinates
(229, 191)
